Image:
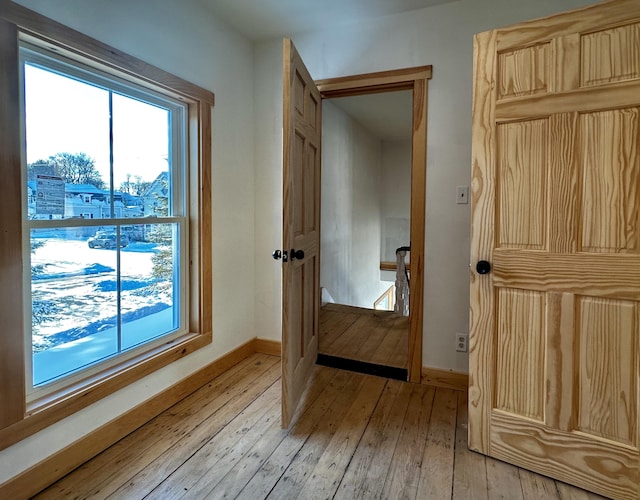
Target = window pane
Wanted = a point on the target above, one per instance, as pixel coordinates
(98, 291)
(67, 135)
(140, 149)
(149, 270)
(74, 311)
(69, 151)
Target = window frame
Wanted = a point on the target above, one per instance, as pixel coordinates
(17, 418)
(52, 62)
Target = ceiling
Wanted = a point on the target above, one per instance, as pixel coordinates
(388, 115)
(263, 19)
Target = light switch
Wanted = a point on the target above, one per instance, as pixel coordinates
(462, 195)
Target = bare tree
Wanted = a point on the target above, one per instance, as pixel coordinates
(134, 185)
(74, 168)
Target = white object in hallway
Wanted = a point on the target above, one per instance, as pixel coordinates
(402, 284)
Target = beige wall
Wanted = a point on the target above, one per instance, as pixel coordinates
(351, 209)
(396, 197)
(441, 36)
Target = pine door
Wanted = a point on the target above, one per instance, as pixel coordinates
(555, 257)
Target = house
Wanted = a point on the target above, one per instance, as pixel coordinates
(194, 41)
(156, 191)
(88, 202)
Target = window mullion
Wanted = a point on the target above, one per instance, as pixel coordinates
(112, 214)
(111, 187)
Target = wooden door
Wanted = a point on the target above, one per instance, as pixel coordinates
(301, 227)
(554, 341)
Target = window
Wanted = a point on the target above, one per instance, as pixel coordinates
(111, 157)
(94, 139)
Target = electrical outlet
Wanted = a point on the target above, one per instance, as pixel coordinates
(461, 342)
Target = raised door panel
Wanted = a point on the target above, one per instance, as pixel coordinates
(310, 316)
(524, 71)
(610, 144)
(610, 55)
(298, 184)
(608, 375)
(563, 184)
(299, 89)
(520, 357)
(295, 319)
(310, 181)
(522, 182)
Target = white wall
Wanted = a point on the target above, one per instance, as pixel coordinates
(351, 209)
(396, 198)
(267, 127)
(441, 36)
(185, 40)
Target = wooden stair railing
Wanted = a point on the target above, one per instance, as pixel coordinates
(388, 295)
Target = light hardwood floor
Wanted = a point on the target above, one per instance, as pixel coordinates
(379, 337)
(354, 436)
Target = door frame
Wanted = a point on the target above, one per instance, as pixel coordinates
(415, 79)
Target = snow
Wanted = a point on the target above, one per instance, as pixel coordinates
(70, 356)
(75, 303)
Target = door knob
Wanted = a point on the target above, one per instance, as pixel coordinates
(277, 255)
(297, 254)
(483, 267)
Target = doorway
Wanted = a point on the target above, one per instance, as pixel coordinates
(365, 217)
(301, 128)
(373, 200)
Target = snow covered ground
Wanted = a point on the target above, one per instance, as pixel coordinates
(70, 356)
(75, 302)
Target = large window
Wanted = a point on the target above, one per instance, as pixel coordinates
(105, 215)
(109, 220)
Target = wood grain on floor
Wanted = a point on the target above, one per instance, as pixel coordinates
(354, 436)
(378, 337)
